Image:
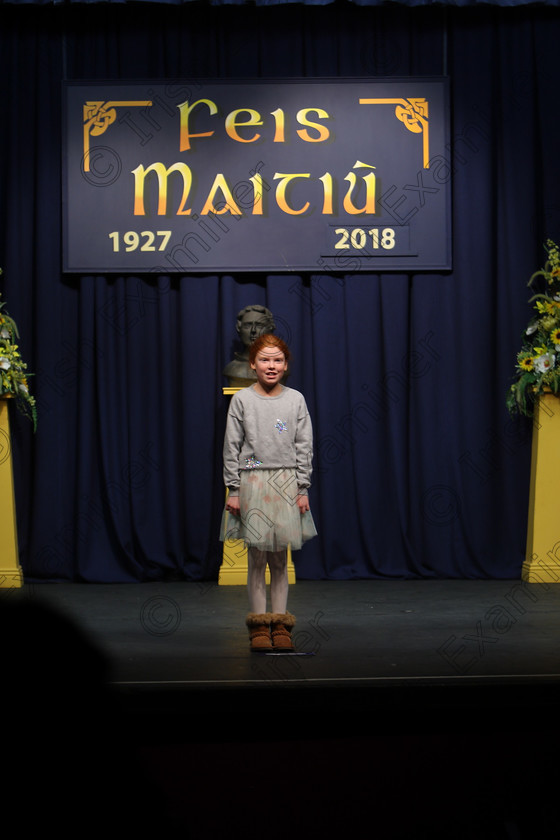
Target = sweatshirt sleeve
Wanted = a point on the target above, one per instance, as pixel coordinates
(304, 449)
(233, 441)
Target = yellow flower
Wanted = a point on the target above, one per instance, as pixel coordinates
(546, 307)
(555, 336)
(526, 363)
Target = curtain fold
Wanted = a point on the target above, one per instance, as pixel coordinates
(419, 471)
(219, 3)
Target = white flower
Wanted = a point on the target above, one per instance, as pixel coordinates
(5, 363)
(531, 329)
(4, 334)
(23, 388)
(544, 362)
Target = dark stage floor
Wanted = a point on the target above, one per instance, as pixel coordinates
(430, 705)
(353, 633)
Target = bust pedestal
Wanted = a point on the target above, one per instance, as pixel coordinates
(11, 575)
(542, 562)
(235, 566)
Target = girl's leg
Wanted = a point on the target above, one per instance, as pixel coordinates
(256, 581)
(281, 621)
(278, 565)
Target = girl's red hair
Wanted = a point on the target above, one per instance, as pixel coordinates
(268, 340)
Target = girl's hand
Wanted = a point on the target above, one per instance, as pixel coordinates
(232, 505)
(302, 503)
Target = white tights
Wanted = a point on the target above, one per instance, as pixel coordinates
(277, 562)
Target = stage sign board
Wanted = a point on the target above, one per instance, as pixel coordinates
(324, 175)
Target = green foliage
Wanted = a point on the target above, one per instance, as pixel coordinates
(13, 370)
(538, 361)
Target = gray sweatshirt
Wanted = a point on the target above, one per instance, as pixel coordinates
(268, 433)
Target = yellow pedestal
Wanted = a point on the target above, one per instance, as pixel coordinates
(234, 568)
(542, 562)
(11, 575)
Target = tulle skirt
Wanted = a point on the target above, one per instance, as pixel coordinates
(270, 519)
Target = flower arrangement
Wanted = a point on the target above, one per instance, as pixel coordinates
(538, 361)
(13, 376)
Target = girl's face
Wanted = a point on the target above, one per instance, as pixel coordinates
(270, 365)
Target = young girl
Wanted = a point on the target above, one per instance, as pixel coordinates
(268, 449)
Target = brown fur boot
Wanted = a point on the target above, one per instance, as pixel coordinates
(259, 631)
(281, 629)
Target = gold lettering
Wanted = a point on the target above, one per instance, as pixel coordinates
(232, 124)
(301, 117)
(257, 183)
(281, 192)
(163, 174)
(327, 193)
(227, 206)
(369, 206)
(279, 134)
(185, 111)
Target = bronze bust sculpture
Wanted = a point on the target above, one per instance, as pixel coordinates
(252, 321)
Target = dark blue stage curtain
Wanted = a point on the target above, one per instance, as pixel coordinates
(415, 3)
(419, 471)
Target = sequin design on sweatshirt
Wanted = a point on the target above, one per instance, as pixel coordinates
(281, 426)
(252, 462)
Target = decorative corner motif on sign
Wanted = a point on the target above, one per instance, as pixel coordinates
(98, 116)
(413, 113)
